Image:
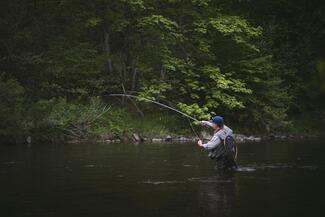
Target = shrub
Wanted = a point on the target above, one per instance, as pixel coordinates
(11, 109)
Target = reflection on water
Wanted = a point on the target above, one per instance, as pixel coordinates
(217, 195)
(246, 169)
(273, 179)
(251, 168)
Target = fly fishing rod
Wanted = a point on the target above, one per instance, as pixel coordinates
(163, 105)
(155, 102)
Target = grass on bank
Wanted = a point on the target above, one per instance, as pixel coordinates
(65, 120)
(58, 119)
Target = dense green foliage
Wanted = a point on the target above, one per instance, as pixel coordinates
(259, 63)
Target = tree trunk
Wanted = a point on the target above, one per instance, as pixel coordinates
(108, 51)
(162, 73)
(134, 75)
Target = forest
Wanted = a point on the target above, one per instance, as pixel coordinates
(258, 63)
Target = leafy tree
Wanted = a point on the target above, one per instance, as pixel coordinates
(256, 62)
(11, 109)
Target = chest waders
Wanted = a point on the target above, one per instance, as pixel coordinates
(225, 153)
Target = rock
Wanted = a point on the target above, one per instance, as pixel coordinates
(168, 138)
(182, 138)
(206, 135)
(29, 139)
(136, 137)
(73, 141)
(254, 139)
(157, 140)
(146, 139)
(277, 136)
(240, 137)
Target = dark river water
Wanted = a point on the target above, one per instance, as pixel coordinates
(273, 179)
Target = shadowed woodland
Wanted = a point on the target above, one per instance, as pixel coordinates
(259, 63)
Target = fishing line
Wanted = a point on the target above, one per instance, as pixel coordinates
(157, 103)
(192, 128)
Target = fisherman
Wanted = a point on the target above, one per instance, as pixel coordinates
(222, 146)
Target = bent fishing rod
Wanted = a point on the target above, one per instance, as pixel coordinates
(155, 102)
(160, 104)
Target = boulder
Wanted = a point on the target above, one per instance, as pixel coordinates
(168, 138)
(258, 139)
(240, 137)
(254, 139)
(185, 139)
(146, 139)
(182, 138)
(29, 139)
(157, 140)
(136, 137)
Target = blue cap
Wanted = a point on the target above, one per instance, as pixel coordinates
(218, 120)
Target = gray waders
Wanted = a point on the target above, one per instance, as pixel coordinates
(225, 154)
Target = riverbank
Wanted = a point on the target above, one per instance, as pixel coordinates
(205, 135)
(62, 121)
(240, 138)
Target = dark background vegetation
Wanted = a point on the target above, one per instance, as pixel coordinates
(259, 63)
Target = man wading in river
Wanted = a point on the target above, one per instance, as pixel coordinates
(222, 146)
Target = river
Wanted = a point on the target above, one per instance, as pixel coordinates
(274, 179)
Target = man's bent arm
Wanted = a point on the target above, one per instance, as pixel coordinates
(213, 143)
